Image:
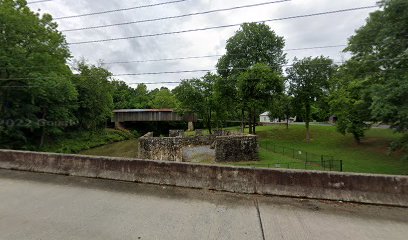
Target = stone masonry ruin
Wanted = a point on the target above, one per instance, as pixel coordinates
(223, 146)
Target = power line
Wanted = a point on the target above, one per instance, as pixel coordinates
(153, 83)
(215, 55)
(181, 58)
(175, 17)
(205, 70)
(177, 58)
(40, 1)
(177, 82)
(198, 70)
(163, 59)
(221, 26)
(120, 9)
(215, 69)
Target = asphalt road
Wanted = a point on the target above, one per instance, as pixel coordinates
(44, 206)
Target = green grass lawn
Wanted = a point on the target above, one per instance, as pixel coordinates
(371, 156)
(127, 149)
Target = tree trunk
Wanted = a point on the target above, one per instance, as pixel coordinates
(254, 122)
(250, 122)
(357, 138)
(209, 122)
(242, 121)
(307, 120)
(42, 139)
(287, 122)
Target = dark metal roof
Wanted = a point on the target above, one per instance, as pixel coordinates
(141, 110)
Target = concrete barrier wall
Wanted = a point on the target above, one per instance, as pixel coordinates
(363, 188)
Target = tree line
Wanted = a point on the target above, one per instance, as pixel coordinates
(37, 85)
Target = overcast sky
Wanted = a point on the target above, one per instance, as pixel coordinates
(326, 30)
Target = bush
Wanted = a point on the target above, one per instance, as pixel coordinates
(79, 141)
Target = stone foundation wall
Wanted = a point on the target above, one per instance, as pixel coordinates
(236, 148)
(227, 148)
(169, 148)
(176, 133)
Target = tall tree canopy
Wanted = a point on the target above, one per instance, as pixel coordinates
(380, 55)
(382, 46)
(198, 96)
(35, 85)
(95, 101)
(257, 87)
(163, 98)
(350, 101)
(253, 43)
(309, 83)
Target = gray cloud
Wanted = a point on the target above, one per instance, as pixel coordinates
(314, 31)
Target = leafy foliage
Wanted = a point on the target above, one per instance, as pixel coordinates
(350, 108)
(256, 88)
(253, 43)
(36, 87)
(380, 50)
(163, 98)
(199, 96)
(95, 102)
(309, 83)
(282, 107)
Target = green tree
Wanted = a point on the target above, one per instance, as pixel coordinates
(163, 98)
(37, 96)
(256, 88)
(123, 95)
(95, 101)
(281, 107)
(380, 48)
(350, 101)
(142, 98)
(198, 96)
(309, 82)
(253, 43)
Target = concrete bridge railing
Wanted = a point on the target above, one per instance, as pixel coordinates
(362, 188)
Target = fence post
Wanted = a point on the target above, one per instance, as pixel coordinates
(341, 165)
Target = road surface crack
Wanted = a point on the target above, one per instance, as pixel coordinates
(259, 218)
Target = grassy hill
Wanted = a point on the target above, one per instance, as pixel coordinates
(371, 156)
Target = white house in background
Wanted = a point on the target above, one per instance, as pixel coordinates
(264, 118)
